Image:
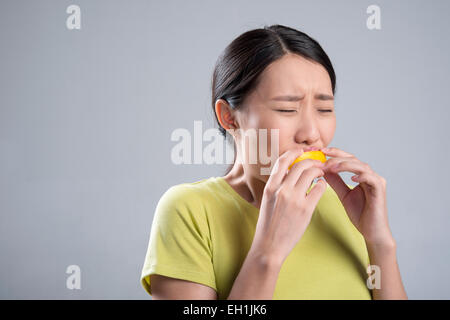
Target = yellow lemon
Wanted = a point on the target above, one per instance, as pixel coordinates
(316, 155)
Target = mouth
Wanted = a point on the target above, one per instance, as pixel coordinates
(311, 149)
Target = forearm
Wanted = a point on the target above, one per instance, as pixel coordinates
(257, 278)
(385, 257)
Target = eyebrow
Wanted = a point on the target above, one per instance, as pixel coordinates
(319, 96)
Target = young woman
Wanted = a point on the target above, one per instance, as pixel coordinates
(249, 235)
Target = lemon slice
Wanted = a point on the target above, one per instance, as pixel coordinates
(315, 155)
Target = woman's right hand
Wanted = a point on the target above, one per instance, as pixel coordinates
(286, 209)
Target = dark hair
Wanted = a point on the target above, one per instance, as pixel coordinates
(238, 68)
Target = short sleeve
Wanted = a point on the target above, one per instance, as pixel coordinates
(180, 243)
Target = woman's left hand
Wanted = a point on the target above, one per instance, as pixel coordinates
(365, 204)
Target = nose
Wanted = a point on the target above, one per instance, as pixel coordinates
(307, 132)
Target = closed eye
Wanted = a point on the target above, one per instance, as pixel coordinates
(281, 110)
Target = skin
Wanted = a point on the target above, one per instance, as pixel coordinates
(304, 127)
(307, 125)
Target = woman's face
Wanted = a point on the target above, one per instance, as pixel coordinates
(295, 96)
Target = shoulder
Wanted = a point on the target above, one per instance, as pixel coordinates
(186, 199)
(187, 192)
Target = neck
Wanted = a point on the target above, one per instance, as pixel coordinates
(249, 187)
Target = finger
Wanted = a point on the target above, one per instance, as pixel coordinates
(338, 185)
(375, 184)
(354, 166)
(306, 179)
(332, 161)
(315, 194)
(335, 152)
(296, 171)
(281, 166)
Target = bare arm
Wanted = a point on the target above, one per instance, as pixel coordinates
(391, 283)
(166, 288)
(257, 278)
(281, 224)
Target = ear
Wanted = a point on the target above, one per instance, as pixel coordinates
(225, 115)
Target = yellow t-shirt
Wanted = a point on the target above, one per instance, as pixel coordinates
(202, 232)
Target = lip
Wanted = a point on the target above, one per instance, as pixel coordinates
(311, 149)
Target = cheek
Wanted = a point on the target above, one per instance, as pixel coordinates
(278, 132)
(262, 120)
(327, 130)
(285, 139)
(258, 120)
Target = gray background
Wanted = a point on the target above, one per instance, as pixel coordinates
(86, 118)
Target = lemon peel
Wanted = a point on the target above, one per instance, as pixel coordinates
(315, 155)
